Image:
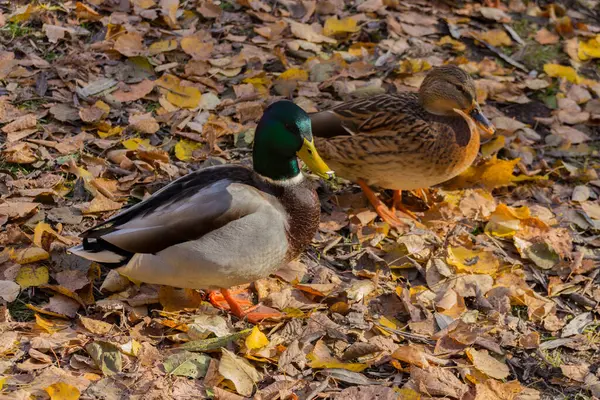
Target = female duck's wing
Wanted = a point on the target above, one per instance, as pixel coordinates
(184, 210)
(371, 115)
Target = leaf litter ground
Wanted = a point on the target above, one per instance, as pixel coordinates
(103, 102)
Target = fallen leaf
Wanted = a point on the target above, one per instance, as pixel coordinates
(477, 262)
(188, 364)
(162, 46)
(544, 36)
(487, 364)
(9, 290)
(96, 326)
(62, 391)
(495, 37)
(334, 26)
(306, 32)
(134, 92)
(130, 44)
(243, 375)
(561, 71)
(106, 356)
(144, 123)
(185, 148)
(320, 357)
(32, 276)
(256, 339)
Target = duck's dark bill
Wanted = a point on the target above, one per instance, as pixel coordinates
(313, 161)
(482, 122)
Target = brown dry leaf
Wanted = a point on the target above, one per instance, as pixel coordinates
(24, 122)
(306, 32)
(20, 153)
(101, 204)
(411, 354)
(320, 357)
(243, 375)
(130, 44)
(494, 390)
(437, 382)
(96, 326)
(544, 36)
(17, 209)
(144, 123)
(134, 92)
(487, 364)
(197, 47)
(162, 46)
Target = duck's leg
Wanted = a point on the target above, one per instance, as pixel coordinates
(253, 314)
(217, 299)
(398, 205)
(423, 194)
(381, 209)
(492, 3)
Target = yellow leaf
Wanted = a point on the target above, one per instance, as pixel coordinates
(2, 382)
(48, 325)
(260, 82)
(184, 149)
(30, 255)
(30, 276)
(96, 326)
(505, 221)
(334, 26)
(256, 339)
(62, 391)
(22, 14)
(493, 146)
(495, 37)
(456, 45)
(387, 323)
(185, 97)
(413, 66)
(487, 364)
(320, 357)
(492, 174)
(43, 235)
(356, 49)
(196, 47)
(135, 143)
(407, 394)
(117, 130)
(294, 74)
(589, 49)
(477, 262)
(131, 348)
(180, 96)
(100, 204)
(162, 46)
(561, 71)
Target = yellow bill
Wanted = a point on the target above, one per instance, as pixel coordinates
(313, 160)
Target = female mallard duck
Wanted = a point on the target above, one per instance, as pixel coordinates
(404, 141)
(225, 225)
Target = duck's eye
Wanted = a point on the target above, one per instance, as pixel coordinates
(309, 151)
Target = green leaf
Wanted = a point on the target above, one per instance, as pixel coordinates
(107, 357)
(188, 364)
(214, 343)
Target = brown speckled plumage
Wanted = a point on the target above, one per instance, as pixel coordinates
(394, 142)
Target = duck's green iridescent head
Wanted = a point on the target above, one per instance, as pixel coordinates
(284, 133)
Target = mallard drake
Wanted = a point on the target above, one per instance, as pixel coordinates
(225, 225)
(404, 141)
